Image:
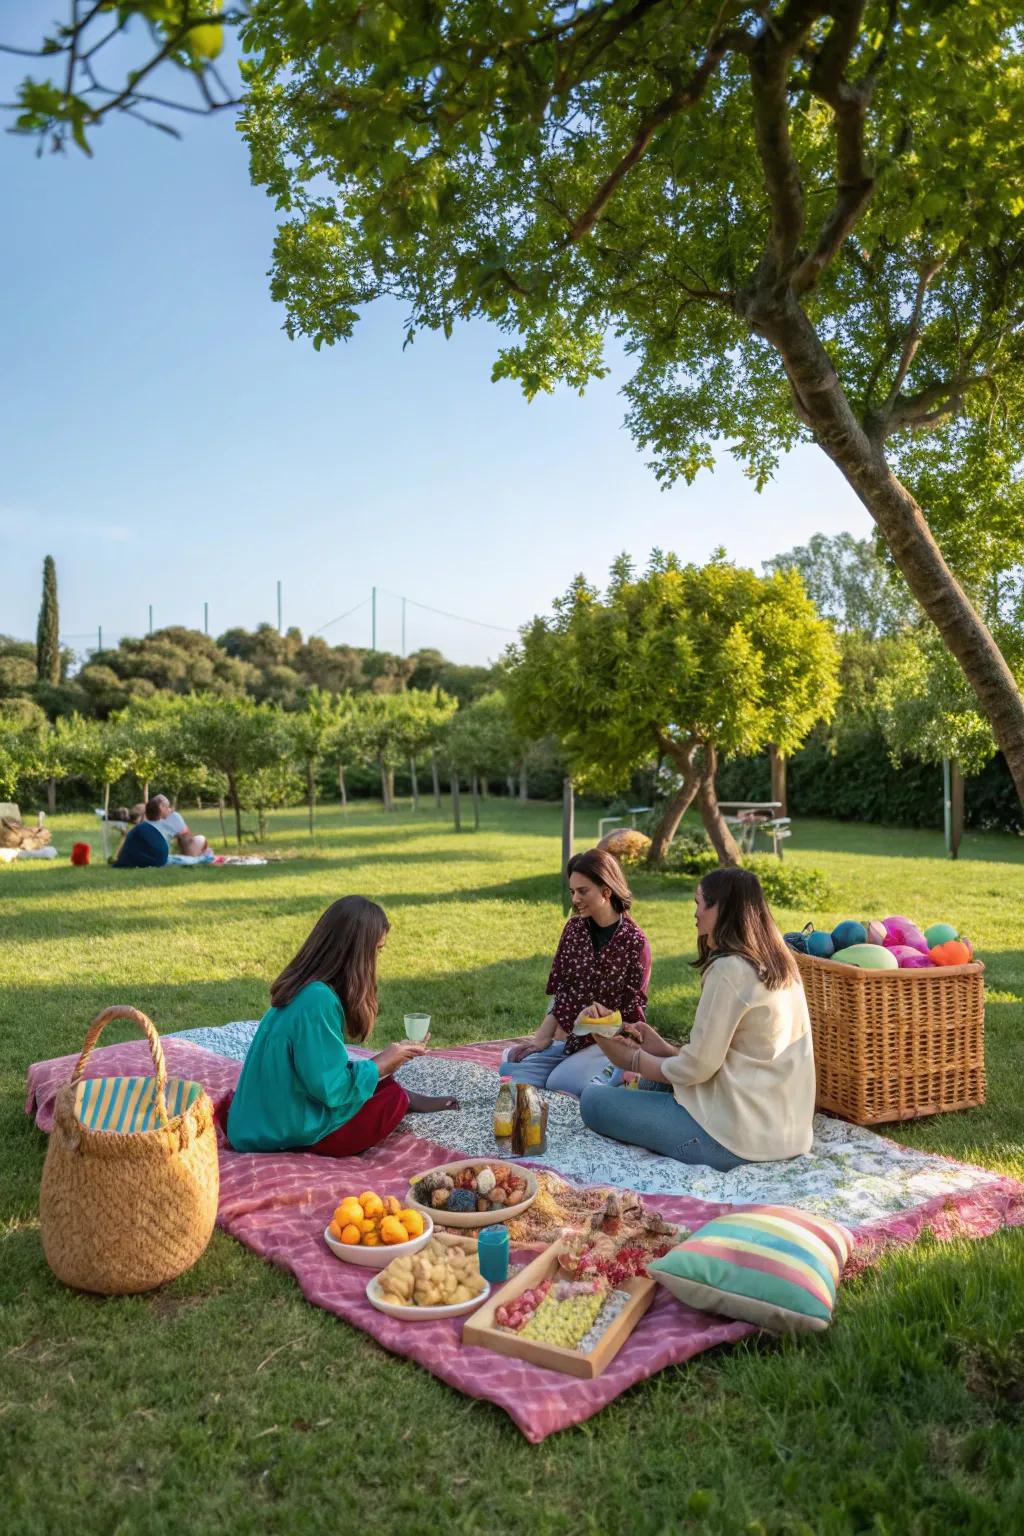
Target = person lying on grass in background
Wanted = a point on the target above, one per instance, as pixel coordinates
(300, 1091)
(742, 1089)
(175, 828)
(602, 966)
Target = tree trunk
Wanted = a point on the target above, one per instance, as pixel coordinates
(392, 806)
(223, 828)
(675, 810)
(722, 839)
(51, 796)
(383, 782)
(145, 791)
(778, 766)
(199, 803)
(236, 806)
(510, 785)
(476, 804)
(106, 813)
(859, 455)
(261, 819)
(485, 788)
(456, 809)
(415, 785)
(341, 788)
(436, 780)
(524, 786)
(311, 797)
(568, 837)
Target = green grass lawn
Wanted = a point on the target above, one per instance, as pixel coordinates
(226, 1403)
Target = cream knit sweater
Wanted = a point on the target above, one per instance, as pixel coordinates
(746, 1075)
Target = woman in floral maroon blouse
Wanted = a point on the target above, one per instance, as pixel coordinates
(602, 965)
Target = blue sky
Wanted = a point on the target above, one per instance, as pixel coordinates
(166, 442)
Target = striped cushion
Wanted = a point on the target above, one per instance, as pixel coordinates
(129, 1103)
(772, 1265)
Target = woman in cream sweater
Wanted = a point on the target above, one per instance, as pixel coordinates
(742, 1088)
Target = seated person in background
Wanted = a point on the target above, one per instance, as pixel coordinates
(145, 846)
(136, 814)
(175, 828)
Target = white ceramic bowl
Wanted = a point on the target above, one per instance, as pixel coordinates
(426, 1314)
(473, 1218)
(381, 1256)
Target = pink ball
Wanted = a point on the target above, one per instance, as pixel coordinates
(876, 932)
(900, 930)
(908, 958)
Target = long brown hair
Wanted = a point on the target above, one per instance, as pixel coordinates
(744, 926)
(602, 868)
(341, 951)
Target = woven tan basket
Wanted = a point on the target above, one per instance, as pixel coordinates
(895, 1045)
(127, 1211)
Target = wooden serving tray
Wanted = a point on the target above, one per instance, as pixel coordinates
(481, 1328)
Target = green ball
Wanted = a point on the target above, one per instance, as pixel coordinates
(869, 957)
(940, 933)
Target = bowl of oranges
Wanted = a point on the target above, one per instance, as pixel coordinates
(371, 1230)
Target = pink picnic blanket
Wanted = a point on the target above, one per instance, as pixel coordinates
(278, 1204)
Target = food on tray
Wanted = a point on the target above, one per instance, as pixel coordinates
(440, 1275)
(370, 1220)
(483, 1187)
(558, 1206)
(607, 1024)
(618, 1241)
(572, 1314)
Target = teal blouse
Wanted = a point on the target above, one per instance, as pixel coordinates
(298, 1083)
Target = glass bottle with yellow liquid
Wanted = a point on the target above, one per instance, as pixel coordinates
(504, 1115)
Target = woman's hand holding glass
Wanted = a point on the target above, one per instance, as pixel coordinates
(392, 1057)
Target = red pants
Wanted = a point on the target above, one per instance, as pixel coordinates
(376, 1119)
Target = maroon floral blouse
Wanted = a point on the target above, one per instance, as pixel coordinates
(617, 976)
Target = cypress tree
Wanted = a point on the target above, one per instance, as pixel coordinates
(48, 633)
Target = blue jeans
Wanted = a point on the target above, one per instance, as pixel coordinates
(551, 1068)
(654, 1120)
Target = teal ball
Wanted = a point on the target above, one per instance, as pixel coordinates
(850, 932)
(940, 933)
(820, 945)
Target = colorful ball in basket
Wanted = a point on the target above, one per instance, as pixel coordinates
(797, 941)
(869, 957)
(850, 932)
(900, 930)
(956, 952)
(940, 933)
(820, 945)
(876, 932)
(908, 958)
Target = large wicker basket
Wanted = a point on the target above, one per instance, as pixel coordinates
(895, 1045)
(129, 1191)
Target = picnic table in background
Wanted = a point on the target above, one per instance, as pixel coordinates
(632, 811)
(748, 817)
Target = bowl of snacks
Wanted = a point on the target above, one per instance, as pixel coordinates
(442, 1280)
(473, 1193)
(371, 1230)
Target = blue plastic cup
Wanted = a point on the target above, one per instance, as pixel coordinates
(493, 1250)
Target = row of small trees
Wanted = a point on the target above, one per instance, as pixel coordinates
(258, 756)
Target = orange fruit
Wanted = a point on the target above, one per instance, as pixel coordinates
(372, 1205)
(335, 1230)
(412, 1223)
(349, 1210)
(392, 1231)
(366, 1225)
(351, 1235)
(371, 1240)
(392, 1206)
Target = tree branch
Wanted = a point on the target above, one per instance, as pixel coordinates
(684, 96)
(933, 405)
(912, 339)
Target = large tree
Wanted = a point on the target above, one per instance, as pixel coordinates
(48, 660)
(685, 662)
(802, 217)
(803, 220)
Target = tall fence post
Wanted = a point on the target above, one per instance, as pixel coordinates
(568, 824)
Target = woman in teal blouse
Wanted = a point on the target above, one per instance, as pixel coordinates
(299, 1088)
